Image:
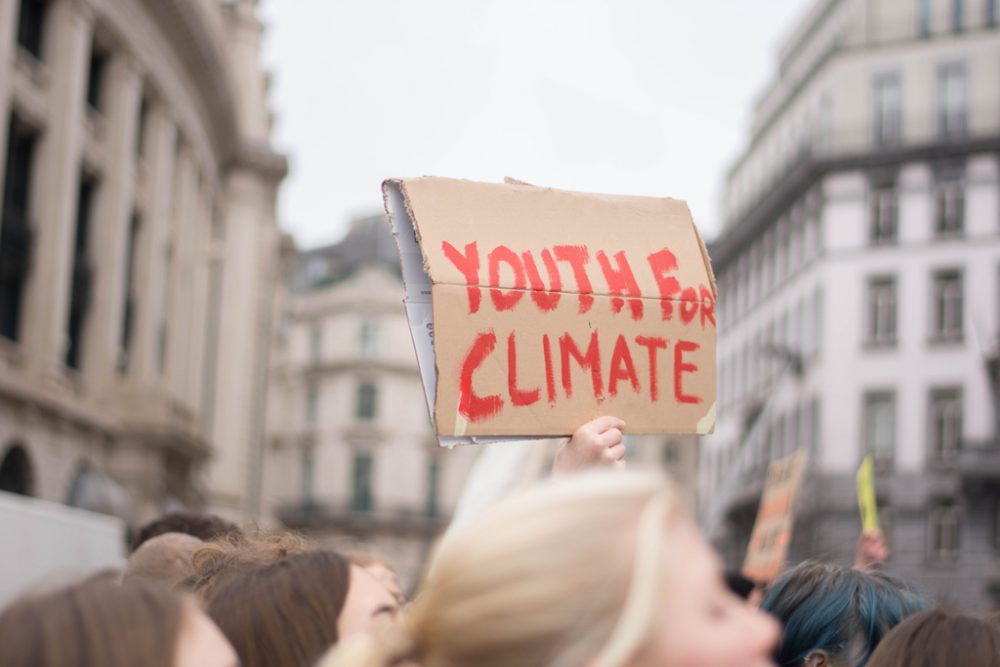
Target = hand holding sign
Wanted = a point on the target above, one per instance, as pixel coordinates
(598, 443)
(871, 552)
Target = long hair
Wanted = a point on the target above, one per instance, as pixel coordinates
(95, 622)
(940, 637)
(836, 609)
(219, 560)
(562, 575)
(285, 613)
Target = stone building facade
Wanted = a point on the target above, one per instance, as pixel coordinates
(139, 253)
(859, 278)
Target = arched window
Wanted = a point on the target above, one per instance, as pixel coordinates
(15, 471)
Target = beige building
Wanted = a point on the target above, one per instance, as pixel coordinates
(138, 252)
(352, 458)
(858, 292)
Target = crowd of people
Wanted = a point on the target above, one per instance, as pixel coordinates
(598, 568)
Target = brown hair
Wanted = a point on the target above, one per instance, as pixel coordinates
(203, 526)
(218, 561)
(285, 613)
(941, 637)
(95, 622)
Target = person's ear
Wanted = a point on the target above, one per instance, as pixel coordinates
(818, 658)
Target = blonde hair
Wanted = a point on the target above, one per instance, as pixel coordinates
(563, 575)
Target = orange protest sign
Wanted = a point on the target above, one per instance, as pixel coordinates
(772, 532)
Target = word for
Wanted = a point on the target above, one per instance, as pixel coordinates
(564, 350)
(692, 301)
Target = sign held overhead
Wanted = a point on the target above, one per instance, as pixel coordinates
(534, 310)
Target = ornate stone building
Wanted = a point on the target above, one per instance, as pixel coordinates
(859, 291)
(139, 253)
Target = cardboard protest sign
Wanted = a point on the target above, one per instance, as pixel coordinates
(867, 504)
(534, 310)
(772, 532)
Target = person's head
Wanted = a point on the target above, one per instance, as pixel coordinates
(835, 616)
(203, 526)
(940, 637)
(216, 561)
(165, 559)
(290, 612)
(596, 570)
(102, 622)
(380, 569)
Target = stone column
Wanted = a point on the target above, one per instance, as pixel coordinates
(150, 264)
(179, 319)
(201, 259)
(55, 189)
(112, 220)
(237, 332)
(8, 55)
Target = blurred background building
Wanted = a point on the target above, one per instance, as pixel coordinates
(351, 457)
(139, 253)
(859, 277)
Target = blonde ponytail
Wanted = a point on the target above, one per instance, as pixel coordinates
(563, 575)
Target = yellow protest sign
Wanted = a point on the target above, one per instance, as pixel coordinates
(867, 504)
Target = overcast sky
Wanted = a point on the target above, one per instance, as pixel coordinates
(648, 97)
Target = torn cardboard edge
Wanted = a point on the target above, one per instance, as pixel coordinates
(419, 286)
(419, 311)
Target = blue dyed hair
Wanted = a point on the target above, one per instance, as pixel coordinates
(836, 609)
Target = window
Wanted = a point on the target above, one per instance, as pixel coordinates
(883, 213)
(816, 344)
(949, 202)
(945, 427)
(140, 127)
(366, 399)
(951, 100)
(312, 404)
(881, 325)
(888, 109)
(316, 341)
(30, 24)
(432, 508)
(670, 454)
(161, 344)
(945, 532)
(15, 227)
(95, 77)
(369, 339)
(880, 425)
(128, 296)
(946, 309)
(308, 476)
(361, 482)
(957, 15)
(925, 18)
(81, 278)
(991, 13)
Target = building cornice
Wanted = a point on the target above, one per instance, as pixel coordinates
(188, 26)
(809, 169)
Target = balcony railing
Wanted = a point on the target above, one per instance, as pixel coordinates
(343, 518)
(919, 135)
